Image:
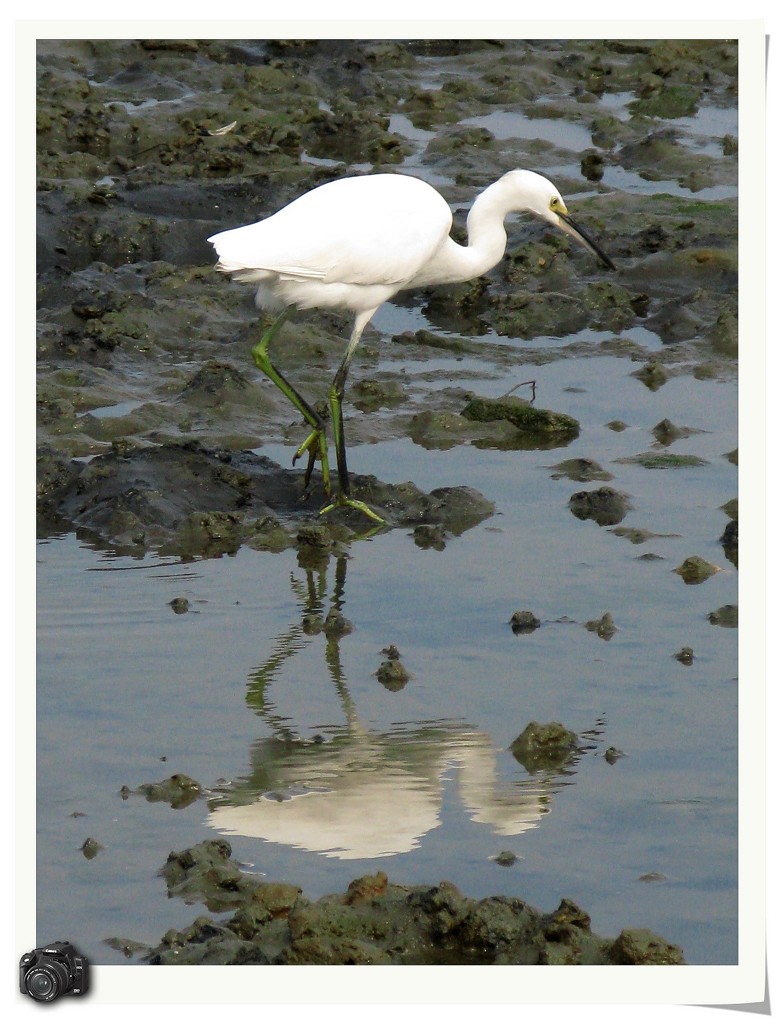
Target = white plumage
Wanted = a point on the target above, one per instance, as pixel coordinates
(353, 244)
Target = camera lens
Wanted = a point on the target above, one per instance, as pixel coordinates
(47, 981)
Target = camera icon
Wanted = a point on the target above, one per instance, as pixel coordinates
(52, 971)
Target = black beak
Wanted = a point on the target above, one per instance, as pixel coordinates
(571, 228)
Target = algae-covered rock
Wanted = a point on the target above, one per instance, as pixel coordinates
(188, 499)
(90, 848)
(392, 674)
(613, 754)
(666, 432)
(581, 470)
(544, 746)
(604, 626)
(663, 460)
(696, 569)
(179, 790)
(208, 873)
(653, 375)
(640, 946)
(727, 616)
(521, 414)
(637, 535)
(506, 858)
(375, 922)
(539, 314)
(605, 506)
(524, 622)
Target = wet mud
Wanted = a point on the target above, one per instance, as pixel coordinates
(146, 147)
(188, 500)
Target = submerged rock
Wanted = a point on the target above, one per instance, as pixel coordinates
(663, 460)
(581, 470)
(637, 535)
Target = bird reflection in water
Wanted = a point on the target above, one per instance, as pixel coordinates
(355, 793)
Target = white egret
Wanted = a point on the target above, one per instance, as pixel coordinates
(353, 244)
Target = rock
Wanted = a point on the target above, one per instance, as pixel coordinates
(580, 470)
(653, 375)
(613, 754)
(188, 499)
(179, 790)
(506, 858)
(524, 622)
(696, 569)
(605, 506)
(522, 415)
(639, 946)
(604, 626)
(544, 746)
(663, 460)
(727, 615)
(376, 922)
(90, 848)
(393, 675)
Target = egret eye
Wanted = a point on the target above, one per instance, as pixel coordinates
(555, 203)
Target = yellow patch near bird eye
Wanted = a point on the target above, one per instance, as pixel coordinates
(557, 205)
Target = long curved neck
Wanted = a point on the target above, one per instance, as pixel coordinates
(486, 237)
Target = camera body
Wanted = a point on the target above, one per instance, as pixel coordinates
(52, 971)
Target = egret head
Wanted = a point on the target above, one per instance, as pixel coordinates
(543, 199)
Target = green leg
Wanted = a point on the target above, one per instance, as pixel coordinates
(315, 443)
(336, 394)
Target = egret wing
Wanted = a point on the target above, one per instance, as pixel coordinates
(378, 229)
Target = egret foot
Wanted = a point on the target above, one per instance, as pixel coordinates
(361, 506)
(316, 446)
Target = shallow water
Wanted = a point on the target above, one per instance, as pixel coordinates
(137, 683)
